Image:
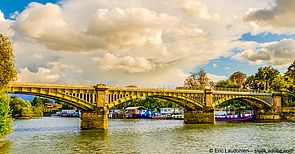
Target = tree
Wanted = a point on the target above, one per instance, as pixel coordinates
(191, 81)
(7, 71)
(225, 84)
(238, 78)
(202, 78)
(7, 74)
(5, 119)
(263, 79)
(197, 80)
(289, 96)
(291, 74)
(37, 101)
(20, 108)
(282, 83)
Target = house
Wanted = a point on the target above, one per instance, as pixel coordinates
(170, 111)
(133, 112)
(49, 107)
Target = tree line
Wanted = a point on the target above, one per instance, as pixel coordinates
(20, 108)
(266, 79)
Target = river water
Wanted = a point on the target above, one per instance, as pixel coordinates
(63, 135)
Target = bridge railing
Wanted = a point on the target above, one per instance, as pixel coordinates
(47, 85)
(239, 90)
(143, 86)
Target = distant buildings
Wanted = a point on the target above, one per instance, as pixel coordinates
(142, 112)
(51, 107)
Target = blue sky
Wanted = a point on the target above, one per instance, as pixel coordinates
(146, 41)
(9, 7)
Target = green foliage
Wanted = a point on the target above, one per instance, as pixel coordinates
(20, 108)
(264, 79)
(291, 74)
(5, 119)
(38, 101)
(226, 84)
(38, 111)
(7, 74)
(236, 105)
(282, 83)
(7, 71)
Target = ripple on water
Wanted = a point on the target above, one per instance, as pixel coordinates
(63, 135)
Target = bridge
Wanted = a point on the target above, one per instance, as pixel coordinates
(95, 101)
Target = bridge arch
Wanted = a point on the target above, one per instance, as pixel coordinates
(76, 102)
(183, 101)
(251, 100)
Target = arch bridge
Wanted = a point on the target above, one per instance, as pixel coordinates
(95, 101)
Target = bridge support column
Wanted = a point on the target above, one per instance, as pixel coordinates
(277, 102)
(198, 117)
(97, 118)
(201, 117)
(208, 98)
(94, 119)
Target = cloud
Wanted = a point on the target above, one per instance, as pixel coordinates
(54, 72)
(1, 16)
(279, 53)
(127, 63)
(281, 15)
(42, 75)
(214, 65)
(216, 78)
(196, 8)
(106, 29)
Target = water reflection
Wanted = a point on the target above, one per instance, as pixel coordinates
(63, 135)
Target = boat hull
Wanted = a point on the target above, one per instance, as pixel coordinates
(237, 119)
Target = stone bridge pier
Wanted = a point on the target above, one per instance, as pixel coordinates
(274, 113)
(97, 118)
(203, 116)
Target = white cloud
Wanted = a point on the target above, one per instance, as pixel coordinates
(214, 65)
(275, 53)
(216, 78)
(227, 68)
(54, 72)
(196, 8)
(281, 15)
(129, 64)
(1, 16)
(42, 75)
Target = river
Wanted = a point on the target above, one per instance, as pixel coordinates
(63, 135)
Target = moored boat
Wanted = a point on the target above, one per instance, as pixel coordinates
(234, 118)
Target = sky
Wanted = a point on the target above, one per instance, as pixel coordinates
(146, 42)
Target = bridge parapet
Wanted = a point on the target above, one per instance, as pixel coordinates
(288, 109)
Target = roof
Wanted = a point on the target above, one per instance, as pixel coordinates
(135, 107)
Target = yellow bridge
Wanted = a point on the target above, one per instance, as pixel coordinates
(95, 101)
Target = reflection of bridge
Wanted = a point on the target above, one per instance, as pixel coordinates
(95, 101)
